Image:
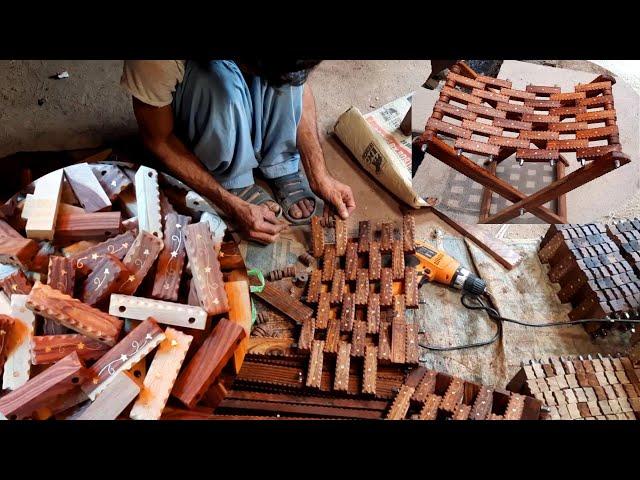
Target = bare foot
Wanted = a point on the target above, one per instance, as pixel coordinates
(302, 209)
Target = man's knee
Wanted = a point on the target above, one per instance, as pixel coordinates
(220, 85)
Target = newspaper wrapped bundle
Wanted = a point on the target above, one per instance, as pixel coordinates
(380, 147)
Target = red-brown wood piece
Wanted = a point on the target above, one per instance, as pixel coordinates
(171, 259)
(323, 310)
(15, 282)
(283, 302)
(358, 338)
(364, 236)
(453, 396)
(337, 286)
(370, 369)
(476, 147)
(386, 236)
(117, 246)
(87, 226)
(317, 237)
(332, 338)
(105, 279)
(409, 233)
(49, 349)
(397, 260)
(315, 286)
(328, 262)
(314, 372)
(139, 260)
(384, 345)
(386, 287)
(373, 313)
(341, 379)
(112, 179)
(410, 288)
(362, 287)
(351, 261)
(412, 350)
(341, 237)
(348, 312)
(375, 261)
(307, 332)
(17, 250)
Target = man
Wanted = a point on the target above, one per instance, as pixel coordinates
(211, 123)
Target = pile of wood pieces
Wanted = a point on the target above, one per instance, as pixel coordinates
(101, 317)
(602, 388)
(591, 262)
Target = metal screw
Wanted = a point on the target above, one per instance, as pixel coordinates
(616, 163)
(521, 211)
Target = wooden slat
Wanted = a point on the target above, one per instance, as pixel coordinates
(328, 262)
(358, 338)
(337, 286)
(112, 401)
(493, 82)
(84, 226)
(515, 407)
(351, 261)
(517, 94)
(307, 332)
(598, 101)
(17, 251)
(453, 396)
(401, 404)
(43, 212)
(567, 145)
(476, 147)
(171, 259)
(460, 95)
(592, 152)
(15, 283)
(408, 232)
(410, 287)
(341, 236)
(466, 81)
(86, 188)
(412, 350)
(314, 373)
(139, 260)
(596, 116)
(567, 97)
(447, 128)
(148, 198)
(315, 286)
(61, 274)
(112, 180)
(398, 338)
(347, 313)
(15, 352)
(430, 409)
(538, 135)
(168, 313)
(86, 259)
(597, 133)
(386, 287)
(341, 379)
(537, 154)
(317, 237)
(482, 404)
(362, 286)
(542, 104)
(540, 119)
(426, 387)
(568, 127)
(386, 236)
(509, 142)
(323, 310)
(384, 345)
(49, 349)
(542, 89)
(489, 95)
(373, 313)
(281, 301)
(106, 278)
(515, 108)
(375, 261)
(364, 236)
(487, 112)
(370, 369)
(512, 125)
(453, 111)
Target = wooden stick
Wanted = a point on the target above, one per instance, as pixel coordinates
(87, 188)
(171, 260)
(148, 198)
(112, 401)
(168, 313)
(49, 349)
(285, 304)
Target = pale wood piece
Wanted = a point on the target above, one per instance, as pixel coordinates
(171, 260)
(43, 212)
(341, 379)
(373, 313)
(161, 376)
(207, 276)
(112, 180)
(401, 403)
(84, 226)
(139, 260)
(317, 237)
(314, 373)
(130, 350)
(148, 198)
(73, 314)
(341, 237)
(17, 365)
(240, 313)
(87, 188)
(168, 313)
(49, 349)
(370, 370)
(122, 390)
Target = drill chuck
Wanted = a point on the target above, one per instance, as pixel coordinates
(468, 282)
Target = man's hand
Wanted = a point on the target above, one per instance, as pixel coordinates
(257, 222)
(337, 194)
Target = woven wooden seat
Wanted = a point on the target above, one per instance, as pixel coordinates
(493, 118)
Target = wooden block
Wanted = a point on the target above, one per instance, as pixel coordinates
(127, 200)
(43, 212)
(127, 352)
(370, 370)
(482, 404)
(337, 286)
(86, 259)
(171, 259)
(112, 180)
(107, 277)
(386, 287)
(386, 236)
(426, 387)
(139, 260)
(328, 262)
(55, 305)
(15, 283)
(364, 236)
(568, 127)
(493, 82)
(466, 81)
(474, 146)
(332, 338)
(205, 267)
(515, 407)
(362, 287)
(373, 313)
(489, 95)
(509, 142)
(161, 376)
(567, 145)
(317, 237)
(348, 312)
(148, 198)
(375, 261)
(351, 261)
(448, 129)
(453, 396)
(408, 233)
(542, 90)
(460, 95)
(536, 154)
(401, 402)
(358, 338)
(453, 111)
(484, 111)
(87, 188)
(315, 285)
(314, 373)
(410, 288)
(168, 313)
(591, 117)
(398, 340)
(430, 409)
(307, 332)
(83, 226)
(597, 133)
(17, 348)
(397, 260)
(112, 401)
(17, 251)
(49, 349)
(567, 97)
(515, 108)
(543, 104)
(341, 379)
(462, 412)
(481, 128)
(341, 237)
(239, 313)
(412, 350)
(384, 345)
(208, 362)
(284, 303)
(61, 274)
(40, 390)
(323, 310)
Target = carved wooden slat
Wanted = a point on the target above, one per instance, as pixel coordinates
(398, 335)
(55, 305)
(426, 387)
(462, 412)
(401, 403)
(171, 259)
(430, 409)
(139, 260)
(17, 250)
(515, 407)
(161, 376)
(106, 278)
(370, 369)
(375, 261)
(386, 236)
(208, 362)
(86, 188)
(17, 364)
(332, 338)
(362, 287)
(83, 226)
(341, 237)
(307, 332)
(482, 404)
(112, 401)
(409, 233)
(127, 352)
(49, 349)
(15, 283)
(453, 396)
(373, 313)
(397, 260)
(351, 261)
(386, 287)
(61, 274)
(315, 286)
(43, 211)
(364, 236)
(118, 246)
(266, 374)
(148, 198)
(384, 345)
(240, 308)
(412, 351)
(314, 373)
(169, 313)
(328, 262)
(337, 286)
(323, 310)
(317, 237)
(341, 379)
(410, 288)
(112, 179)
(348, 312)
(6, 325)
(40, 390)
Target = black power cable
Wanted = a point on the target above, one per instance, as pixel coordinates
(498, 319)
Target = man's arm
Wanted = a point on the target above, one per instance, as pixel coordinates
(156, 129)
(321, 182)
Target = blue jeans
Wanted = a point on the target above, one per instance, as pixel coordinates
(234, 123)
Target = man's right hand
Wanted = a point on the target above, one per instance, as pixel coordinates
(257, 222)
